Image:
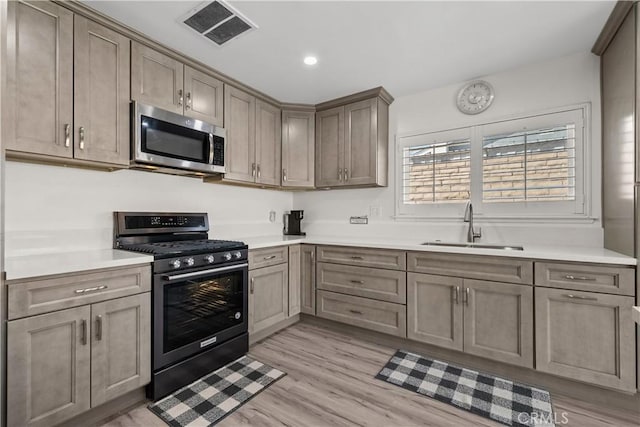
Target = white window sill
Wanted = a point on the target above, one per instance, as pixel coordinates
(478, 218)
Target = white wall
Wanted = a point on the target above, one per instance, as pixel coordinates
(50, 208)
(561, 82)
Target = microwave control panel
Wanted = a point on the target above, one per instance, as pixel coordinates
(218, 151)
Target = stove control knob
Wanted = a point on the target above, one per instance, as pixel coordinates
(209, 259)
(175, 263)
(189, 262)
(227, 256)
(237, 255)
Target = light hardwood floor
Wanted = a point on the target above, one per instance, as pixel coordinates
(330, 382)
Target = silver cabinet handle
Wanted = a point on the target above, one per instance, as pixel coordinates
(456, 294)
(81, 138)
(580, 297)
(98, 328)
(267, 258)
(188, 104)
(346, 175)
(465, 296)
(284, 175)
(67, 135)
(83, 332)
(93, 289)
(580, 278)
(339, 174)
(252, 287)
(210, 148)
(357, 257)
(355, 311)
(180, 99)
(357, 282)
(258, 170)
(253, 170)
(313, 255)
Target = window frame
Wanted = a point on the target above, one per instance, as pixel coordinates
(578, 210)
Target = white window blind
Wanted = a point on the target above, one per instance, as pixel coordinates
(525, 167)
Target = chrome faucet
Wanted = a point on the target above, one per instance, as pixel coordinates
(472, 234)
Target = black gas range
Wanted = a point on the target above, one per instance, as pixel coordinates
(200, 289)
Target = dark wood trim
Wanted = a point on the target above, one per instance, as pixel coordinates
(360, 96)
(610, 28)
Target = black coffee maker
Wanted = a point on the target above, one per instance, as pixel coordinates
(292, 223)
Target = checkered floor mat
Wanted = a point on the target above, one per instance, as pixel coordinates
(501, 400)
(213, 397)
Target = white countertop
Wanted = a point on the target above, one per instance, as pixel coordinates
(554, 253)
(24, 267)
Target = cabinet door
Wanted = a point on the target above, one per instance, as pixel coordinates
(294, 279)
(40, 78)
(268, 296)
(586, 337)
(498, 321)
(361, 142)
(308, 279)
(204, 97)
(240, 122)
(156, 79)
(434, 310)
(330, 147)
(298, 146)
(120, 347)
(268, 143)
(48, 367)
(101, 95)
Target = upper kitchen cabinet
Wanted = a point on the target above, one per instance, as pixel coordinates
(161, 81)
(298, 148)
(51, 52)
(40, 78)
(352, 140)
(253, 143)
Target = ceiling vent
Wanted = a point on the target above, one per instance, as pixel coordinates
(218, 22)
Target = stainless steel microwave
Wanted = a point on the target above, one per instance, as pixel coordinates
(169, 140)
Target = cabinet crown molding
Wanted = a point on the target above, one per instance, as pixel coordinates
(379, 92)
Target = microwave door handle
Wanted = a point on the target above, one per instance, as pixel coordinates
(210, 148)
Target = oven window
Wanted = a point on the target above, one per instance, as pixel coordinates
(167, 139)
(195, 310)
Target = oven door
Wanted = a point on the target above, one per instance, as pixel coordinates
(167, 139)
(195, 311)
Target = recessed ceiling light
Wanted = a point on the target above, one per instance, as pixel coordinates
(310, 60)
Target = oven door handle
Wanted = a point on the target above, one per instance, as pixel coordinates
(203, 272)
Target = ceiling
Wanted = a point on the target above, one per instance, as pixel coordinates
(406, 47)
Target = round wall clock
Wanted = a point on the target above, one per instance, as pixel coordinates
(475, 97)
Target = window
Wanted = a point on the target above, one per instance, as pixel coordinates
(527, 167)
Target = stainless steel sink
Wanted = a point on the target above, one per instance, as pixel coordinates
(475, 245)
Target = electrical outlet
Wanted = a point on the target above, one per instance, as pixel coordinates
(359, 220)
(272, 216)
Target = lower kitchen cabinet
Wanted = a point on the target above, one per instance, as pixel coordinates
(120, 347)
(294, 280)
(488, 319)
(48, 367)
(268, 296)
(63, 363)
(586, 336)
(308, 279)
(434, 310)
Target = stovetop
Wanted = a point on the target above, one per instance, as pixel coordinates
(183, 247)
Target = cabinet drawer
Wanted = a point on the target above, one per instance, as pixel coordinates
(497, 269)
(29, 297)
(593, 278)
(380, 258)
(259, 258)
(384, 285)
(378, 316)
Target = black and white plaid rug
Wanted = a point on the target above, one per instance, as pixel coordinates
(213, 397)
(492, 397)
